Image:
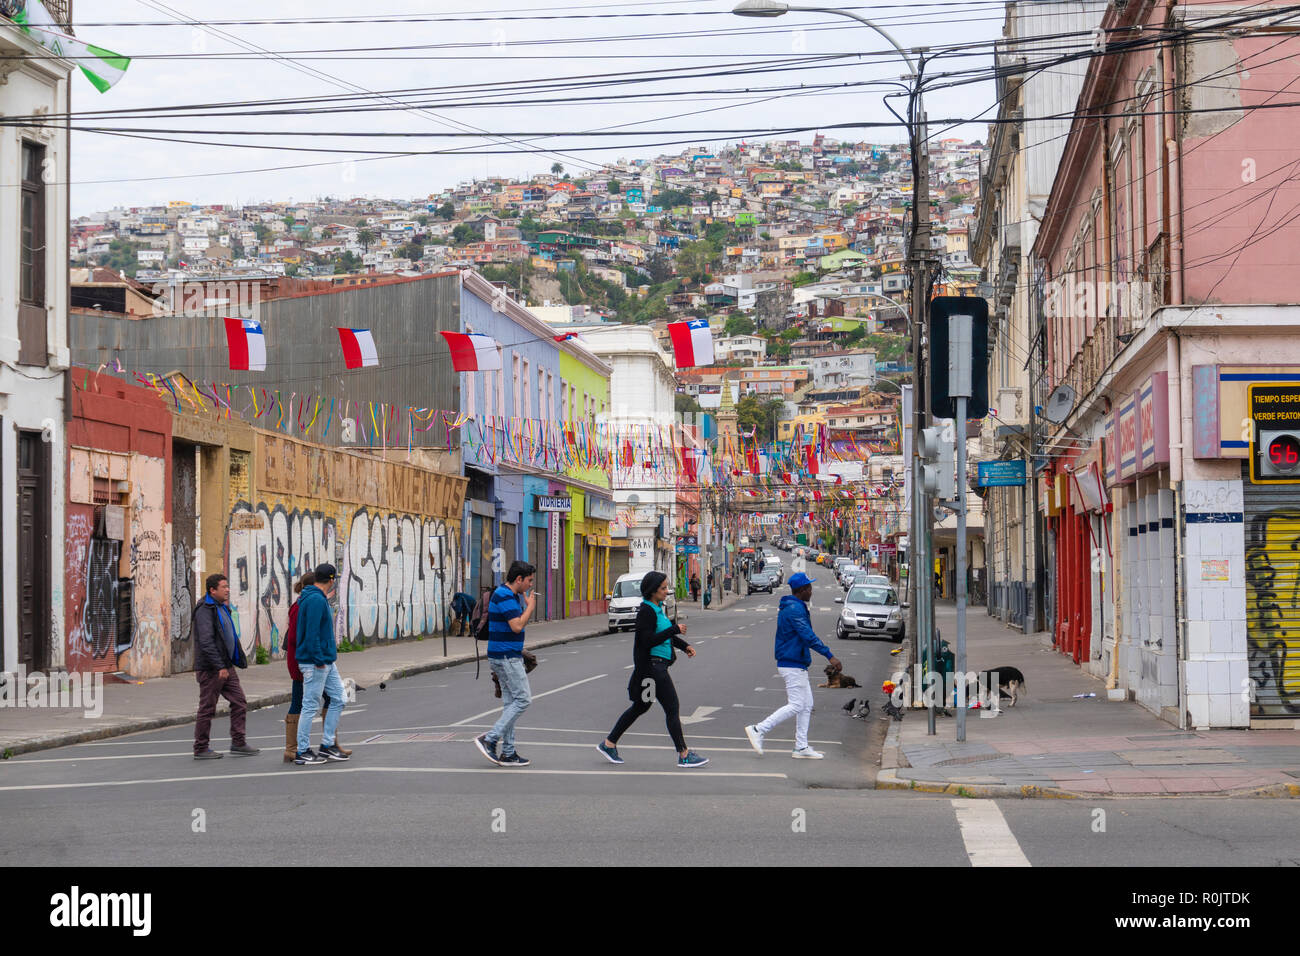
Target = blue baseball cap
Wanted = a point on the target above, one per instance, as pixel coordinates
(800, 580)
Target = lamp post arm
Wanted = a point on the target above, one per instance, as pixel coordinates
(866, 23)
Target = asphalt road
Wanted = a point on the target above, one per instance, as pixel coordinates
(418, 792)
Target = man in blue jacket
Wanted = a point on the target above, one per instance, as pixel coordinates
(316, 652)
(794, 640)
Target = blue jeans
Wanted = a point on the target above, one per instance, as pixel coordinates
(516, 695)
(315, 681)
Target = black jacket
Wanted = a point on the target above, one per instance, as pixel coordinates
(209, 645)
(647, 638)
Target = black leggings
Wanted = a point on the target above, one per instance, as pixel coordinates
(662, 690)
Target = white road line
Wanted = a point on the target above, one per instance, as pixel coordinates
(535, 697)
(989, 841)
(209, 778)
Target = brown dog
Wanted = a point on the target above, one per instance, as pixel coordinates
(837, 679)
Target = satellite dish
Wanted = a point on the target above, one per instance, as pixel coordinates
(1059, 405)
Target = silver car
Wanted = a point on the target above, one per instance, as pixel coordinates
(869, 611)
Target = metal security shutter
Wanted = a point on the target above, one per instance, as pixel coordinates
(1272, 526)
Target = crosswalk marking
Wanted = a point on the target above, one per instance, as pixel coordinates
(989, 841)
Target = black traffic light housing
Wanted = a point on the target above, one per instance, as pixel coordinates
(941, 308)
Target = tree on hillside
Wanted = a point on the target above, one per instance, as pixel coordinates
(739, 325)
(461, 234)
(366, 237)
(753, 412)
(447, 211)
(557, 168)
(695, 259)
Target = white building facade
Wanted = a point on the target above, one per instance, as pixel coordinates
(33, 351)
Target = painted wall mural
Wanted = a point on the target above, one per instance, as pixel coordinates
(266, 550)
(390, 585)
(1273, 612)
(399, 575)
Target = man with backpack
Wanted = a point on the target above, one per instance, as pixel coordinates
(507, 618)
(216, 655)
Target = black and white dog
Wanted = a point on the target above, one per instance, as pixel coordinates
(1009, 682)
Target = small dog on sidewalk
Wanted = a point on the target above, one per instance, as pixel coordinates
(836, 678)
(1010, 682)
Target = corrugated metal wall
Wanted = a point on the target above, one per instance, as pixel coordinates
(1272, 516)
(303, 354)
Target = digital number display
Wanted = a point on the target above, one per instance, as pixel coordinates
(1284, 452)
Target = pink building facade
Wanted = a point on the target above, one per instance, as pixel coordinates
(1166, 280)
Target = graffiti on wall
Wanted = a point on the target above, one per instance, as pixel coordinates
(392, 583)
(399, 575)
(266, 550)
(1273, 612)
(99, 616)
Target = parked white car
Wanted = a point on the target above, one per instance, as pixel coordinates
(625, 599)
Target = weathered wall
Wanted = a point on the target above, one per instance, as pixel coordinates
(119, 454)
(391, 530)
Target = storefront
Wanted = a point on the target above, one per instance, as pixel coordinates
(555, 505)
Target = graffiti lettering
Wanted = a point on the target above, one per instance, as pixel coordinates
(1272, 599)
(392, 587)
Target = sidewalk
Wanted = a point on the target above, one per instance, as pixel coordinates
(1052, 745)
(168, 701)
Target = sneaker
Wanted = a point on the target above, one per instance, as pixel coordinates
(332, 752)
(243, 750)
(807, 753)
(514, 760)
(755, 738)
(692, 759)
(308, 756)
(488, 750)
(208, 755)
(610, 753)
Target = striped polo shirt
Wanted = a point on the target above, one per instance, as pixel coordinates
(503, 608)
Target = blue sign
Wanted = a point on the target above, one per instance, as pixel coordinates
(995, 474)
(688, 544)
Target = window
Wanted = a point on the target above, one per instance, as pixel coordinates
(526, 396)
(32, 258)
(501, 386)
(518, 397)
(564, 401)
(542, 376)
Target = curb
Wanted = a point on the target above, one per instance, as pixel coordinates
(142, 724)
(889, 780)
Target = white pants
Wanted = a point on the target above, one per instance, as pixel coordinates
(798, 704)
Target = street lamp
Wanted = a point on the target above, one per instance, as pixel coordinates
(919, 256)
(770, 8)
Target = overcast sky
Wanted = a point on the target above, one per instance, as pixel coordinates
(203, 66)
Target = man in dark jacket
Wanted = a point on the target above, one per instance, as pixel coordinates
(794, 638)
(215, 641)
(317, 653)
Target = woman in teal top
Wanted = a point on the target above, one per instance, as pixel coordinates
(657, 642)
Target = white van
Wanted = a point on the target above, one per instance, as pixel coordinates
(625, 599)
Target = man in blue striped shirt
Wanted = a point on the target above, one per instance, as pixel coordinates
(508, 615)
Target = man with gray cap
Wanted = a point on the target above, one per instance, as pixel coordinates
(317, 653)
(794, 638)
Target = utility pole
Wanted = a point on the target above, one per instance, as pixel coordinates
(959, 387)
(919, 254)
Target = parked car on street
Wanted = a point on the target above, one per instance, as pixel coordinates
(870, 611)
(846, 573)
(625, 599)
(764, 580)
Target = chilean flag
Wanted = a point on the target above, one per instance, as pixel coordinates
(247, 345)
(358, 348)
(692, 343)
(472, 352)
(566, 336)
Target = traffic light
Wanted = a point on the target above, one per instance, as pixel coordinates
(942, 309)
(1277, 457)
(938, 452)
